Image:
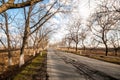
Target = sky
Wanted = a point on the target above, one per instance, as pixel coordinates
(80, 8)
(83, 9)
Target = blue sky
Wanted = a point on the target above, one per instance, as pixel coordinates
(82, 9)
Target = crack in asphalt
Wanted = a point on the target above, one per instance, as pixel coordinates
(88, 72)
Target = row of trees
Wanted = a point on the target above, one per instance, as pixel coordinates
(29, 24)
(102, 28)
(76, 34)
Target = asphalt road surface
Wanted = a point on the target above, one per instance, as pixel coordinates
(67, 66)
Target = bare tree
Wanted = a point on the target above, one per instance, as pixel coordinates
(40, 37)
(68, 40)
(74, 31)
(6, 30)
(83, 35)
(26, 34)
(93, 44)
(34, 18)
(29, 30)
(102, 24)
(114, 41)
(8, 39)
(44, 43)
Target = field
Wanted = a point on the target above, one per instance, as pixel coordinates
(96, 54)
(15, 58)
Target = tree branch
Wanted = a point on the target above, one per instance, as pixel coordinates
(10, 5)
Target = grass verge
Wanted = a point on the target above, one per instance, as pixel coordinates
(111, 59)
(36, 70)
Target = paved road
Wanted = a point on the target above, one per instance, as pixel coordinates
(58, 70)
(67, 66)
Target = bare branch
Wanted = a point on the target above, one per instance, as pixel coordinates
(11, 5)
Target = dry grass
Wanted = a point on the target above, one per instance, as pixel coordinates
(15, 58)
(35, 69)
(111, 59)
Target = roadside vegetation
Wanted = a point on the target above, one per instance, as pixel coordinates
(25, 29)
(98, 37)
(95, 54)
(34, 67)
(35, 70)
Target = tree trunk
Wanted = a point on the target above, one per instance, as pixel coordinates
(9, 50)
(22, 51)
(26, 34)
(105, 43)
(106, 49)
(83, 46)
(21, 58)
(34, 53)
(9, 58)
(76, 48)
(8, 40)
(69, 46)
